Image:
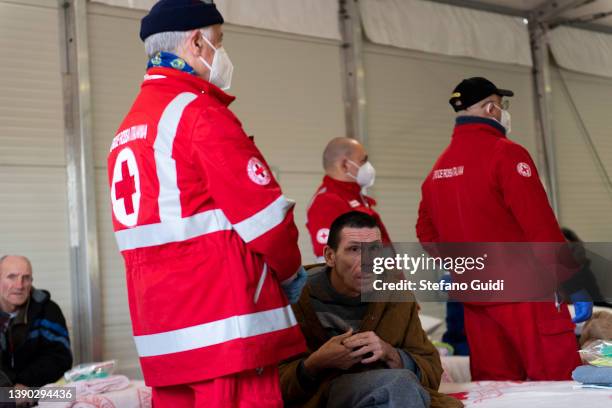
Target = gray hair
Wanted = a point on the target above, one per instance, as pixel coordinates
(169, 41)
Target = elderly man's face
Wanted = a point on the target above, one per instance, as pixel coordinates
(15, 283)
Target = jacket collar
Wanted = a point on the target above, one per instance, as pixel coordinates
(346, 186)
(36, 298)
(370, 320)
(196, 83)
(22, 313)
(470, 124)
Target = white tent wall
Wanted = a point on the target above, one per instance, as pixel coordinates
(33, 202)
(291, 125)
(582, 51)
(585, 193)
(582, 94)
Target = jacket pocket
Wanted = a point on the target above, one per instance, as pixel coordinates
(558, 350)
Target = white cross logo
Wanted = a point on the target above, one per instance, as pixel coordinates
(258, 173)
(125, 188)
(323, 235)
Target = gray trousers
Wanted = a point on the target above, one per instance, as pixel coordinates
(386, 388)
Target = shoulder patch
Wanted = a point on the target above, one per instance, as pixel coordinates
(322, 236)
(523, 169)
(258, 173)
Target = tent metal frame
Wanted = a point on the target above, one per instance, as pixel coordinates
(353, 70)
(78, 136)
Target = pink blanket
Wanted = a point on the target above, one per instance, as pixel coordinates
(116, 391)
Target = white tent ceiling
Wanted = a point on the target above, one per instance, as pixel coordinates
(517, 4)
(444, 29)
(594, 14)
(573, 40)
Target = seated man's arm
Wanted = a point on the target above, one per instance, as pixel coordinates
(292, 383)
(53, 357)
(299, 378)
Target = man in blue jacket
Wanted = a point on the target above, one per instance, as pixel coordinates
(34, 341)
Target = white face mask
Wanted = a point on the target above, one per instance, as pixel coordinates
(506, 119)
(221, 69)
(366, 174)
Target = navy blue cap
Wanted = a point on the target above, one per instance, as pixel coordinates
(472, 90)
(179, 15)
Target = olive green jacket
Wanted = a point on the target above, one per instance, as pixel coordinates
(396, 323)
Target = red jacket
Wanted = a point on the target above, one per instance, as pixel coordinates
(484, 188)
(332, 199)
(205, 233)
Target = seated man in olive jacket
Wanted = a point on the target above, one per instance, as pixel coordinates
(359, 354)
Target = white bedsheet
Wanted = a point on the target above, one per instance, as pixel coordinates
(512, 394)
(456, 369)
(539, 394)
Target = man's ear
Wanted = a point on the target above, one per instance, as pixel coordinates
(194, 42)
(491, 109)
(344, 165)
(330, 256)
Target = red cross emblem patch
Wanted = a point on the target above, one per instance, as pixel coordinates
(322, 236)
(258, 172)
(523, 169)
(125, 188)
